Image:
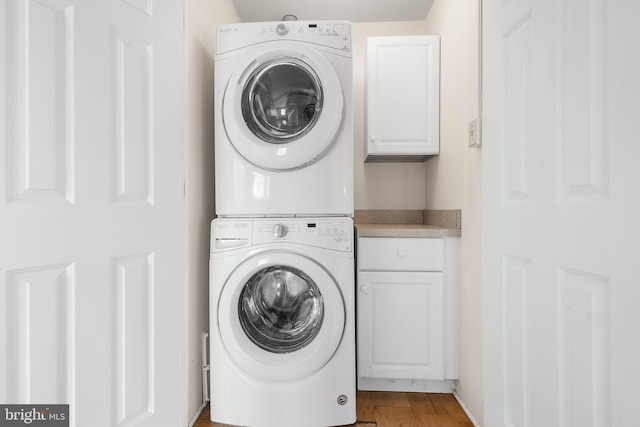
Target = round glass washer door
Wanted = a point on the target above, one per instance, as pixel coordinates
(281, 309)
(282, 109)
(281, 316)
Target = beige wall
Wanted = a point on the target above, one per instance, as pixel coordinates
(453, 179)
(381, 185)
(201, 20)
(448, 181)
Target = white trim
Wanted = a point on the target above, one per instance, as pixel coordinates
(465, 409)
(405, 385)
(204, 339)
(197, 414)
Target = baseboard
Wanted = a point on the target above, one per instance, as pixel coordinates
(394, 384)
(196, 415)
(465, 409)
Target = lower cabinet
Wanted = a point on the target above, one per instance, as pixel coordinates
(406, 318)
(400, 318)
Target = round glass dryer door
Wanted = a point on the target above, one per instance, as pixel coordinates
(281, 309)
(282, 100)
(282, 109)
(281, 316)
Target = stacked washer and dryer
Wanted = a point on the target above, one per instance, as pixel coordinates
(282, 250)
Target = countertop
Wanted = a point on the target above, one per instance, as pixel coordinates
(405, 230)
(403, 223)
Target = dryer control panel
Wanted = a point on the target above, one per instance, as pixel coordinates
(333, 34)
(326, 233)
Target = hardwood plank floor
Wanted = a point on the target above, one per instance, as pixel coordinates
(392, 409)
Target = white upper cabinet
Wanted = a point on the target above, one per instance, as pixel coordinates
(402, 98)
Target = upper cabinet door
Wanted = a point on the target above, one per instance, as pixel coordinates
(403, 98)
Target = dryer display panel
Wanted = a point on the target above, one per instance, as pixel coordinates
(282, 100)
(281, 309)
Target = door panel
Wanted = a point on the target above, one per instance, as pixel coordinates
(134, 321)
(39, 102)
(560, 212)
(401, 325)
(39, 302)
(92, 209)
(133, 111)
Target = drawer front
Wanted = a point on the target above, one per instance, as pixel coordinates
(400, 254)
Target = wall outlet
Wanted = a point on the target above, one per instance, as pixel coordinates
(474, 136)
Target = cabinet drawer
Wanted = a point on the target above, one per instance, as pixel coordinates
(400, 254)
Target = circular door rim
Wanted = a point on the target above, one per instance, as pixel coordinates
(279, 367)
(297, 153)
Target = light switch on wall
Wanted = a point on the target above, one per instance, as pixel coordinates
(474, 137)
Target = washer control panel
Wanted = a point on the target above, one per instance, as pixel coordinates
(333, 34)
(335, 233)
(327, 233)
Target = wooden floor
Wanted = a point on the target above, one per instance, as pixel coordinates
(386, 409)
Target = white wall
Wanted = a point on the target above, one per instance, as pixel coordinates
(381, 185)
(453, 179)
(201, 20)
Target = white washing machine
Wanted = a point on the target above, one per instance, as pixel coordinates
(282, 322)
(283, 119)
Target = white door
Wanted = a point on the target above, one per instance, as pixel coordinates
(561, 213)
(92, 288)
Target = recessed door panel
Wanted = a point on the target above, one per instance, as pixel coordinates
(135, 326)
(400, 325)
(40, 101)
(133, 112)
(40, 334)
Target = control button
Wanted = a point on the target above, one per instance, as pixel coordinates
(282, 30)
(279, 230)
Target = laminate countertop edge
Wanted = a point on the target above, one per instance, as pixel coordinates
(405, 230)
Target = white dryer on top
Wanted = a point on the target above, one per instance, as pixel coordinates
(283, 117)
